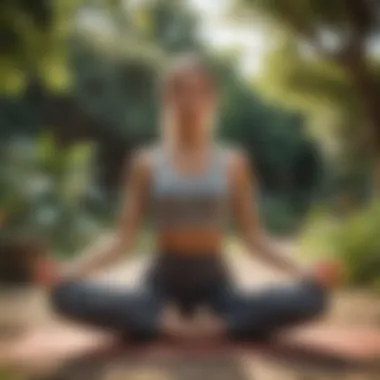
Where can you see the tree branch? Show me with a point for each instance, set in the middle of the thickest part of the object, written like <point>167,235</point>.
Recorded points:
<point>361,15</point>
<point>308,32</point>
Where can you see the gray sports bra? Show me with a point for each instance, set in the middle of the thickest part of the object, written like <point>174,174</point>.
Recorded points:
<point>180,200</point>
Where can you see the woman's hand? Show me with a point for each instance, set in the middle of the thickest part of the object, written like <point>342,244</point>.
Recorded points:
<point>45,271</point>
<point>328,273</point>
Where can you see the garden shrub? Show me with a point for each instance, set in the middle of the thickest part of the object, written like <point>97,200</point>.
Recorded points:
<point>355,240</point>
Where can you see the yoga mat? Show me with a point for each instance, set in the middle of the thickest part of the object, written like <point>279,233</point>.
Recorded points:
<point>57,344</point>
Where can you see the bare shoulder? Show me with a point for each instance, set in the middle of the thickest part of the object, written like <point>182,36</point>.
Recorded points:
<point>237,159</point>
<point>144,156</point>
<point>142,160</point>
<point>240,171</point>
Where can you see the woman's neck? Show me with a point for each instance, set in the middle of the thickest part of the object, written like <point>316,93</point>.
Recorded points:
<point>191,145</point>
<point>196,142</point>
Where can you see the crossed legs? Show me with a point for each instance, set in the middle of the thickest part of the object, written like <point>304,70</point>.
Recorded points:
<point>255,315</point>
<point>259,314</point>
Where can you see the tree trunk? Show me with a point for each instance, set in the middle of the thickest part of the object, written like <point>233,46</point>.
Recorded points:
<point>369,93</point>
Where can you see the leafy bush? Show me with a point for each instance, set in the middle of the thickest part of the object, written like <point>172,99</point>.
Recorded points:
<point>279,215</point>
<point>48,191</point>
<point>355,240</point>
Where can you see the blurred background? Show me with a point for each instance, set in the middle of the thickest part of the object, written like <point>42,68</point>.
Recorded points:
<point>300,83</point>
<point>300,91</point>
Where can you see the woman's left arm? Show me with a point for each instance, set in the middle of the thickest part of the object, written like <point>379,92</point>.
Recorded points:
<point>246,213</point>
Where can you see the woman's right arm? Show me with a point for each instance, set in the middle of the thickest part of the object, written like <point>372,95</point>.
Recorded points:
<point>110,248</point>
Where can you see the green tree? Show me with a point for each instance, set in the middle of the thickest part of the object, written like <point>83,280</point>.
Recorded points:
<point>169,23</point>
<point>33,42</point>
<point>113,95</point>
<point>324,92</point>
<point>339,34</point>
<point>48,191</point>
<point>287,161</point>
<point>116,71</point>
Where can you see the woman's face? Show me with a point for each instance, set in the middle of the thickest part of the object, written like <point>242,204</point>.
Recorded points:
<point>191,98</point>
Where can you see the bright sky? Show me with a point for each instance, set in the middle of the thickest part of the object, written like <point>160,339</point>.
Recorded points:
<point>221,34</point>
<point>217,28</point>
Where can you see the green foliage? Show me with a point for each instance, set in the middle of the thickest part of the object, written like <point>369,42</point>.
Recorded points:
<point>283,155</point>
<point>359,241</point>
<point>114,72</point>
<point>115,75</point>
<point>287,163</point>
<point>323,91</point>
<point>116,90</point>
<point>323,65</point>
<point>169,23</point>
<point>279,216</point>
<point>46,191</point>
<point>309,16</point>
<point>120,91</point>
<point>355,240</point>
<point>33,42</point>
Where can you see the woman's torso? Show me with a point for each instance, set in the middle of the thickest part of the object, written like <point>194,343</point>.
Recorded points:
<point>189,206</point>
<point>189,201</point>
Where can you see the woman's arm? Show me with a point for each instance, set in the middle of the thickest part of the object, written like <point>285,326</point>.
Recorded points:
<point>108,249</point>
<point>245,210</point>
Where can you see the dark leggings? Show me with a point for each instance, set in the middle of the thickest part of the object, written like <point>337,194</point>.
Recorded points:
<point>135,313</point>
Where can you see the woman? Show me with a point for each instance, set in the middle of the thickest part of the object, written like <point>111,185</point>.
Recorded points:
<point>189,184</point>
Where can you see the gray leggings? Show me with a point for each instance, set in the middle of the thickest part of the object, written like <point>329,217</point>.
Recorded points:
<point>134,313</point>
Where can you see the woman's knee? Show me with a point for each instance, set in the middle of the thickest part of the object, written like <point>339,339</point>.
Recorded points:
<point>62,298</point>
<point>315,300</point>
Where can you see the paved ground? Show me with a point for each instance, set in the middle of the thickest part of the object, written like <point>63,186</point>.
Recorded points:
<point>28,310</point>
